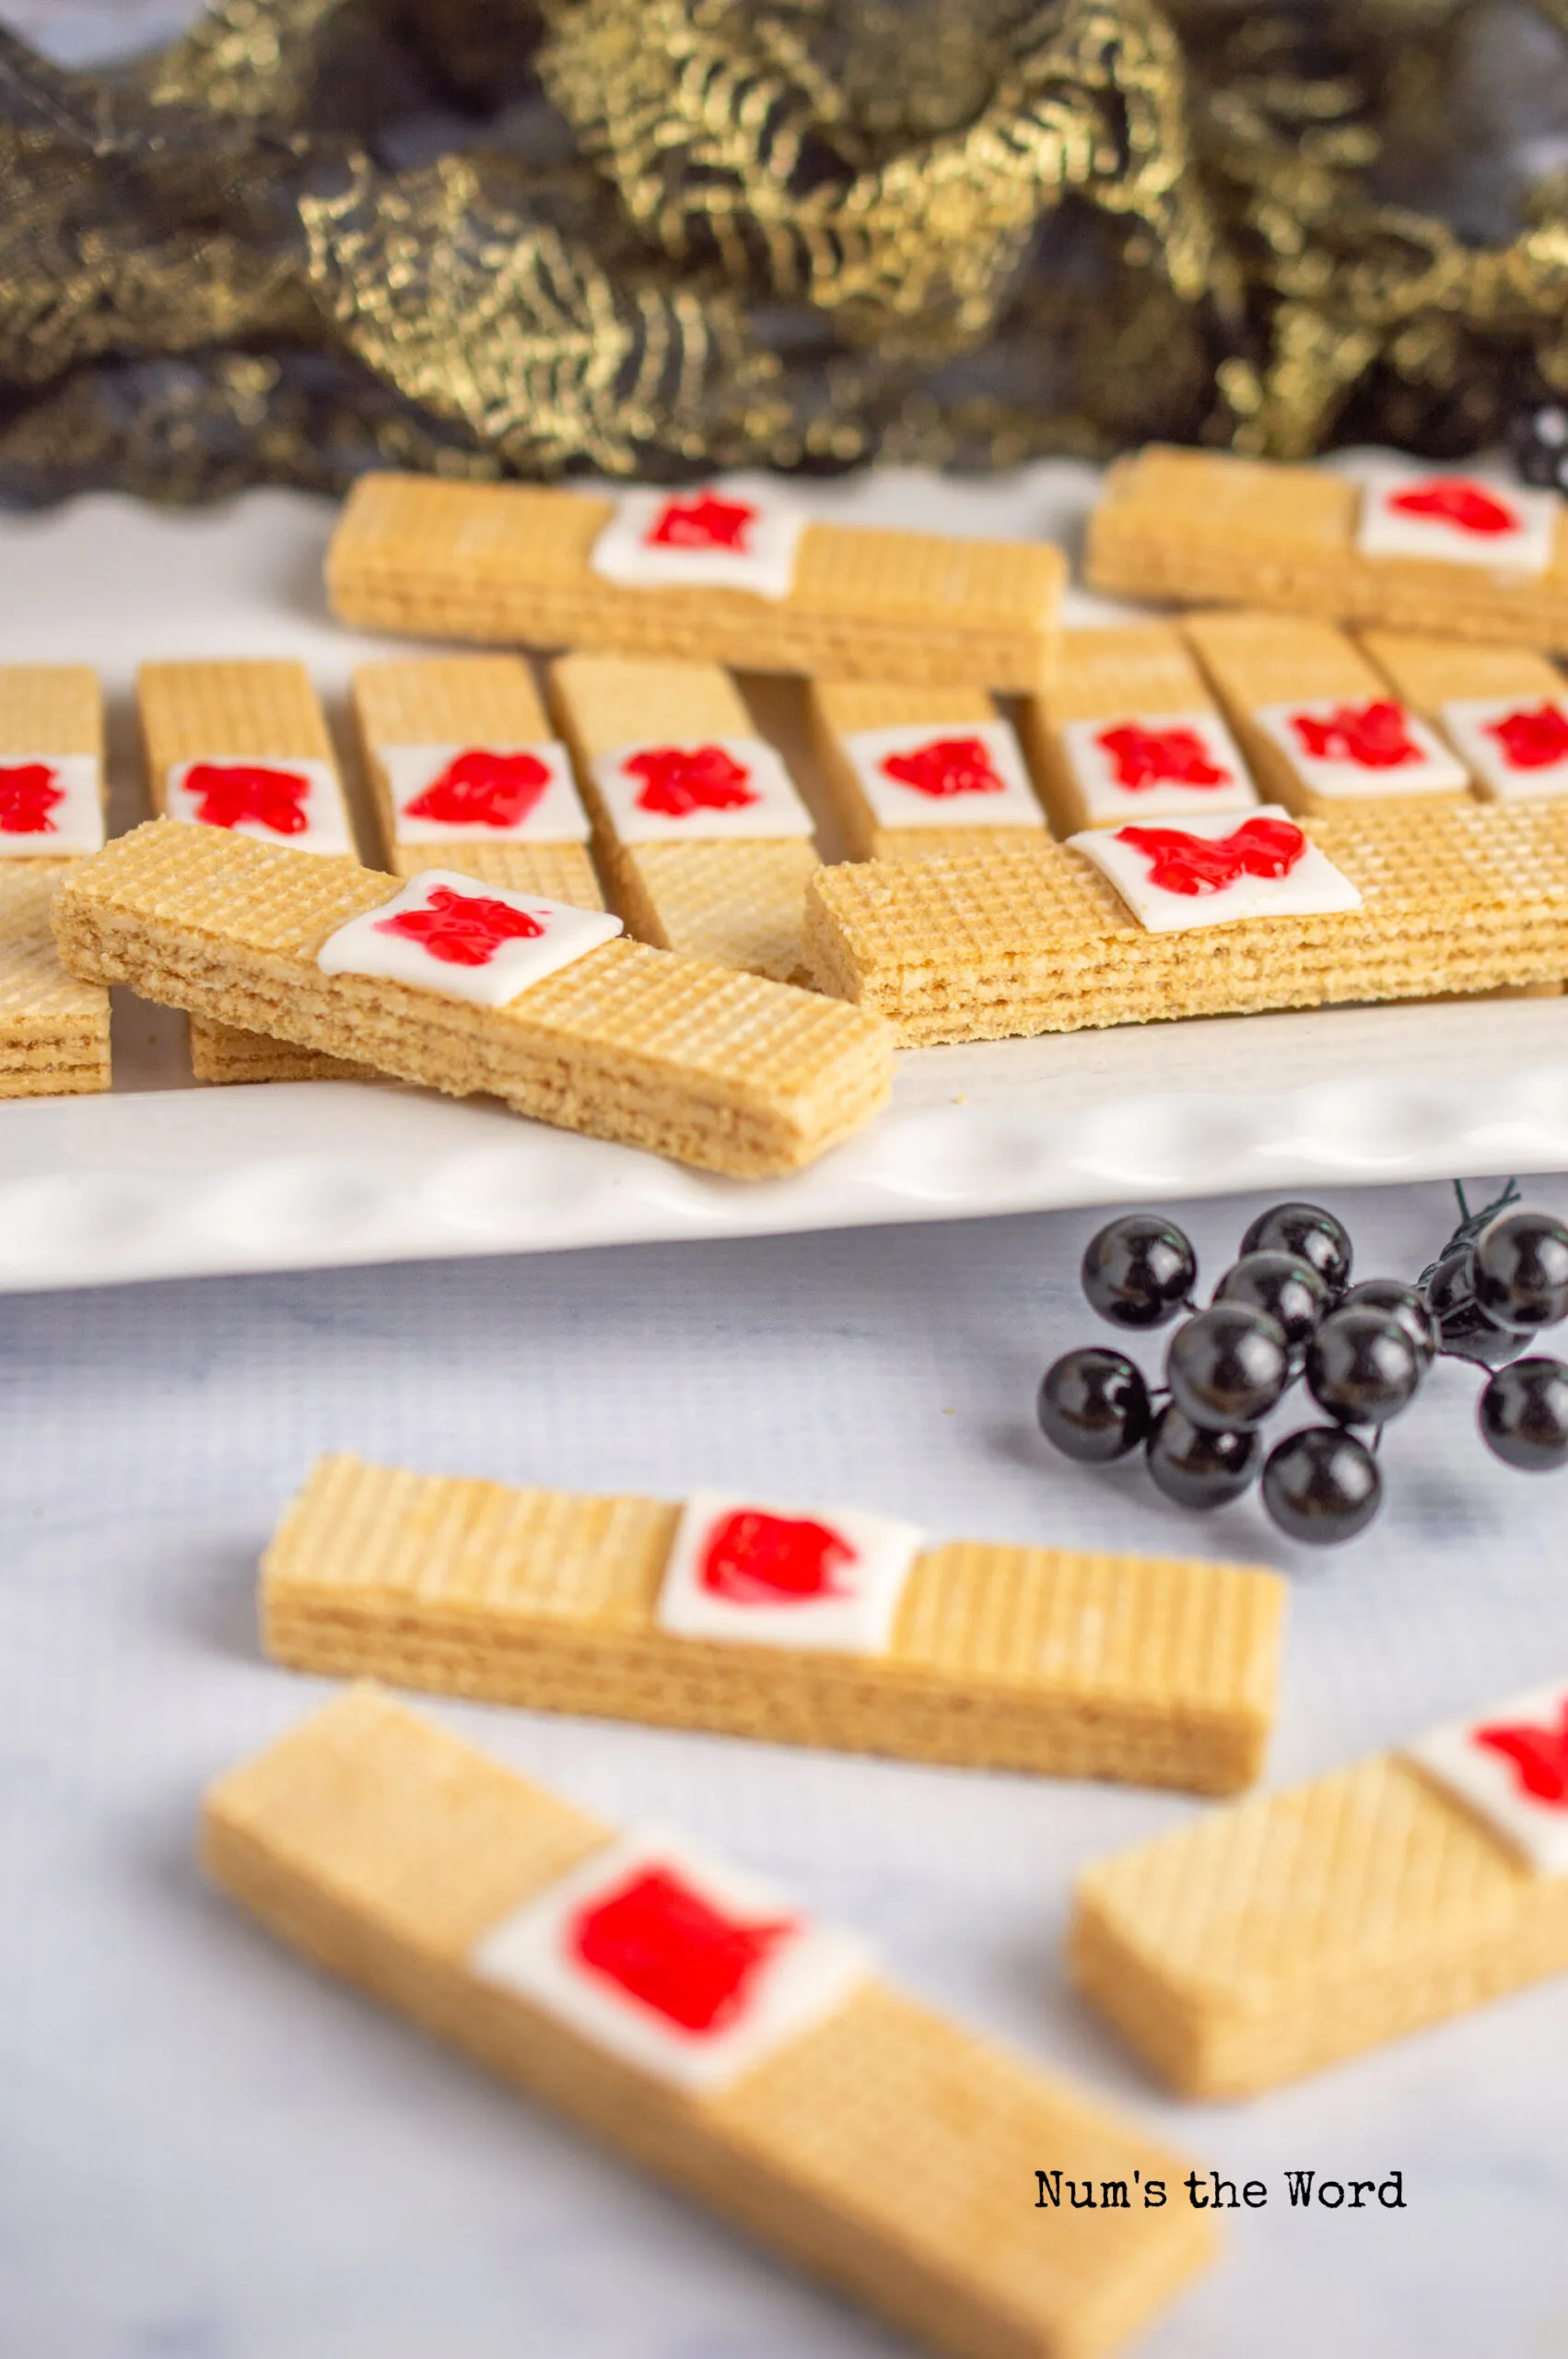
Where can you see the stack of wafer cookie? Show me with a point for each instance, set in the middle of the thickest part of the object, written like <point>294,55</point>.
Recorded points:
<point>257,712</point>
<point>708,2029</point>
<point>700,886</point>
<point>1032,1659</point>
<point>53,1029</point>
<point>920,773</point>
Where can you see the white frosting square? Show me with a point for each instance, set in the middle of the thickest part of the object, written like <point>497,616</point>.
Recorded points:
<point>1106,756</point>
<point>1518,1785</point>
<point>1336,773</point>
<point>513,794</point>
<point>275,798</point>
<point>1311,886</point>
<point>968,774</point>
<point>51,805</point>
<point>1499,527</point>
<point>467,918</point>
<point>559,1950</point>
<point>703,539</point>
<point>753,1575</point>
<point>1477,725</point>
<point>689,789</point>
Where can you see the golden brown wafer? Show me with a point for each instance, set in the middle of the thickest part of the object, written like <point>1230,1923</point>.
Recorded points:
<point>1034,1659</point>
<point>53,1029</point>
<point>1197,526</point>
<point>50,708</point>
<point>464,701</point>
<point>840,709</point>
<point>1429,672</point>
<point>1114,674</point>
<point>739,902</point>
<point>674,1055</point>
<point>1458,896</point>
<point>885,2148</point>
<point>509,563</point>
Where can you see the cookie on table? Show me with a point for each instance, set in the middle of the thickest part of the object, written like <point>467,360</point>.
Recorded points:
<point>702,2023</point>
<point>53,1030</point>
<point>1503,710</point>
<point>920,773</point>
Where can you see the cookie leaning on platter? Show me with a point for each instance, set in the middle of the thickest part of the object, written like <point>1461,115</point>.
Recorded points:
<point>53,1029</point>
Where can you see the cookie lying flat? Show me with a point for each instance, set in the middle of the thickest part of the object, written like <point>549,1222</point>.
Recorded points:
<point>697,825</point>
<point>1460,896</point>
<point>620,1041</point>
<point>831,1628</point>
<point>1502,710</point>
<point>466,775</point>
<point>53,1030</point>
<point>514,564</point>
<point>693,2018</point>
<point>1268,1940</point>
<point>920,773</point>
<point>1200,526</point>
<point>1129,731</point>
<point>252,736</point>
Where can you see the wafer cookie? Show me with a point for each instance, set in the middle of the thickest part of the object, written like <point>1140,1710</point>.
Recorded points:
<point>699,2023</point>
<point>1129,731</point>
<point>1503,710</point>
<point>920,773</point>
<point>701,886</point>
<point>54,1031</point>
<point>1199,527</point>
<point>674,1055</point>
<point>254,711</point>
<point>989,1657</point>
<point>1273,1938</point>
<point>514,564</point>
<point>1460,896</point>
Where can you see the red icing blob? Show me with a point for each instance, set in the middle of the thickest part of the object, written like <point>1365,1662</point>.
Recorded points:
<point>705,522</point>
<point>479,788</point>
<point>27,795</point>
<point>1539,1758</point>
<point>1530,741</point>
<point>1372,735</point>
<point>947,766</point>
<point>1146,757</point>
<point>1453,499</point>
<point>754,1558</point>
<point>463,928</point>
<point>1179,863</point>
<point>229,793</point>
<point>679,780</point>
<point>662,1942</point>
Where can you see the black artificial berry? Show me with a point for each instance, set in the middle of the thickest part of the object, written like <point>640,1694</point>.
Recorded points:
<point>1466,1331</point>
<point>1197,1467</point>
<point>1308,1232</point>
<point>1521,1269</point>
<point>1524,1414</point>
<point>1139,1271</point>
<point>1362,1367</point>
<point>1227,1365</point>
<point>1094,1405</point>
<point>1284,1286</point>
<point>1397,1301</point>
<point>1322,1485</point>
<point>1540,436</point>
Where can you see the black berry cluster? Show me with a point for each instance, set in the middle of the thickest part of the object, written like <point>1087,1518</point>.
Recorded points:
<point>1286,1311</point>
<point>1540,445</point>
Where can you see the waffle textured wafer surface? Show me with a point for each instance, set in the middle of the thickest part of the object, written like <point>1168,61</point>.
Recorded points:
<point>1104,675</point>
<point>263,709</point>
<point>50,708</point>
<point>1457,896</point>
<point>1273,1938</point>
<point>464,701</point>
<point>840,709</point>
<point>1430,672</point>
<point>885,2149</point>
<point>53,1030</point>
<point>1032,1659</point>
<point>509,563</point>
<point>1197,526</point>
<point>717,1069</point>
<point>739,902</point>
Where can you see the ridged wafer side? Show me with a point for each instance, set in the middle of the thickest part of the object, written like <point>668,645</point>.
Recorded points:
<point>53,1029</point>
<point>886,2149</point>
<point>1106,673</point>
<point>839,709</point>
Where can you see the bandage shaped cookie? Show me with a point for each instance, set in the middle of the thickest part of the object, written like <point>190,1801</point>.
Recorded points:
<point>694,576</point>
<point>822,1626</point>
<point>467,988</point>
<point>465,774</point>
<point>920,773</point>
<point>1128,731</point>
<point>53,1029</point>
<point>1273,1937</point>
<point>1449,897</point>
<point>243,745</point>
<point>699,831</point>
<point>1463,558</point>
<point>701,2022</point>
<point>1503,710</point>
<point>1320,725</point>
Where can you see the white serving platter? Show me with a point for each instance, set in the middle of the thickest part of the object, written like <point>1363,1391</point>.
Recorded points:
<point>162,1178</point>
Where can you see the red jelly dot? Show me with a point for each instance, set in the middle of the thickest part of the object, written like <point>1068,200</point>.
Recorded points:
<point>947,766</point>
<point>1143,757</point>
<point>27,795</point>
<point>1532,741</point>
<point>1179,863</point>
<point>706,522</point>
<point>1372,735</point>
<point>679,780</point>
<point>479,788</point>
<point>230,794</point>
<point>665,1945</point>
<point>754,1558</point>
<point>1452,499</point>
<point>1539,1758</point>
<point>461,929</point>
